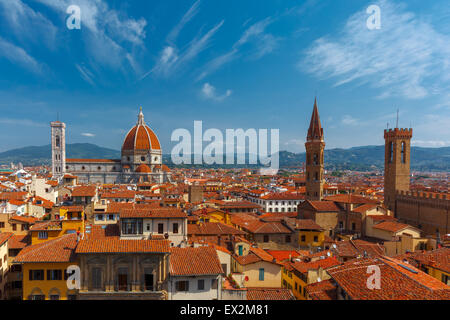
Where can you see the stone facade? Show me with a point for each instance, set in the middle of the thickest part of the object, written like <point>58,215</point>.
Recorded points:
<point>141,159</point>
<point>124,276</point>
<point>58,137</point>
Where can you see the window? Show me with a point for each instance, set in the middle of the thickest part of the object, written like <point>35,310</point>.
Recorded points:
<point>16,268</point>
<point>341,225</point>
<point>100,217</point>
<point>403,152</point>
<point>5,258</point>
<point>58,141</point>
<point>214,284</point>
<point>175,228</point>
<point>96,279</point>
<point>446,279</point>
<point>54,275</point>
<point>303,238</point>
<point>160,228</point>
<point>148,226</point>
<point>241,250</point>
<point>38,297</point>
<point>201,284</point>
<point>54,297</point>
<point>182,286</point>
<point>110,217</point>
<point>316,159</point>
<point>14,227</point>
<point>43,235</point>
<point>353,226</point>
<point>261,274</point>
<point>36,275</point>
<point>71,297</point>
<point>132,226</point>
<point>316,239</point>
<point>391,152</point>
<point>2,224</point>
<point>266,238</point>
<point>288,238</point>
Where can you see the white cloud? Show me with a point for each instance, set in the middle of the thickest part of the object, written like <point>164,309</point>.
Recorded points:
<point>27,24</point>
<point>407,57</point>
<point>349,120</point>
<point>264,42</point>
<point>171,61</point>
<point>112,37</point>
<point>22,122</point>
<point>86,74</point>
<point>430,143</point>
<point>209,92</point>
<point>87,134</point>
<point>193,10</point>
<point>295,142</point>
<point>18,55</point>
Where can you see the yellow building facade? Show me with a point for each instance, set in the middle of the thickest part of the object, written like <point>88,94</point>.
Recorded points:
<point>46,281</point>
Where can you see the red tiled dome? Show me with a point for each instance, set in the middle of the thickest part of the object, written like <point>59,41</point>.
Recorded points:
<point>141,137</point>
<point>143,168</point>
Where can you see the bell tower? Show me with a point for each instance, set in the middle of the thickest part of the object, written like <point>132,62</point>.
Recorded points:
<point>396,163</point>
<point>315,146</point>
<point>58,149</point>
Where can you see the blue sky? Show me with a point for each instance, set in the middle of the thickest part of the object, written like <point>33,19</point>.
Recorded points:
<point>232,64</point>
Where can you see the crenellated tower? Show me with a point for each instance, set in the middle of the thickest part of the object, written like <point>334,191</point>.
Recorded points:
<point>396,164</point>
<point>315,146</point>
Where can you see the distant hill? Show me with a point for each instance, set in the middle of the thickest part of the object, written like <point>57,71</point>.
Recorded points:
<point>357,158</point>
<point>370,157</point>
<point>42,154</point>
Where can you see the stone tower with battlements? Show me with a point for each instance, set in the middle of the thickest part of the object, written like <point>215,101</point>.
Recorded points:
<point>396,164</point>
<point>58,149</point>
<point>315,146</point>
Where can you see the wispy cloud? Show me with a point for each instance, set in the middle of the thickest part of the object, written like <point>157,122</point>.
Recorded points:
<point>22,122</point>
<point>28,25</point>
<point>430,143</point>
<point>209,92</point>
<point>406,57</point>
<point>111,36</point>
<point>87,134</point>
<point>19,56</point>
<point>193,10</point>
<point>349,120</point>
<point>171,61</point>
<point>264,42</point>
<point>86,74</point>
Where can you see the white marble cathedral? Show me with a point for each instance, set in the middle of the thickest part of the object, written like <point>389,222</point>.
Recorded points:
<point>141,159</point>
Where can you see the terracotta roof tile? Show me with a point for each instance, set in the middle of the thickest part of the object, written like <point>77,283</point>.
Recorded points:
<point>58,250</point>
<point>194,261</point>
<point>269,294</point>
<point>122,246</point>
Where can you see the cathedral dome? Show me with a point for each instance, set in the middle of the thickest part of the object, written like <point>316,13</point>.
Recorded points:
<point>141,137</point>
<point>143,168</point>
